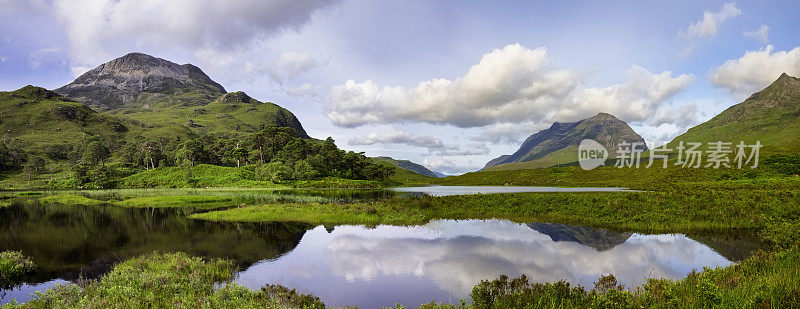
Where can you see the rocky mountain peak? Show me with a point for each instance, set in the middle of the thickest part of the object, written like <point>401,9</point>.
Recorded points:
<point>124,81</point>
<point>603,128</point>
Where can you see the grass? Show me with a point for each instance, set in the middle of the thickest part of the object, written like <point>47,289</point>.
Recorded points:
<point>653,178</point>
<point>13,266</point>
<point>711,207</point>
<point>203,175</point>
<point>317,213</point>
<point>169,280</point>
<point>70,199</point>
<point>203,202</point>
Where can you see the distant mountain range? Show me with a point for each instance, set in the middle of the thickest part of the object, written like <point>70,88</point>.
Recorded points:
<point>559,143</point>
<point>770,116</point>
<point>411,166</point>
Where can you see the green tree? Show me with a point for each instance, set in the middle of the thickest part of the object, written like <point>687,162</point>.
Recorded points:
<point>190,152</point>
<point>238,154</point>
<point>34,166</point>
<point>274,171</point>
<point>304,171</point>
<point>95,152</point>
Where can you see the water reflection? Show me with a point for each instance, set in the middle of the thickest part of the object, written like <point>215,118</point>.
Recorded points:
<point>444,259</point>
<point>463,190</point>
<point>71,241</point>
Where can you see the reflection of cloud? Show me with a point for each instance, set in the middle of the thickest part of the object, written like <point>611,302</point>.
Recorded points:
<point>443,260</point>
<point>468,252</point>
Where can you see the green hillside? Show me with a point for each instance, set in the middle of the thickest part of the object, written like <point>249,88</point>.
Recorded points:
<point>771,116</point>
<point>35,117</point>
<point>230,113</point>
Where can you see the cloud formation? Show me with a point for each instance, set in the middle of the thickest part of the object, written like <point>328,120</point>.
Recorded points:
<point>709,25</point>
<point>761,34</point>
<point>509,85</point>
<point>96,27</point>
<point>434,145</point>
<point>755,70</point>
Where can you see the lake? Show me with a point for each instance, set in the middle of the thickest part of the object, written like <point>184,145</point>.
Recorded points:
<point>463,190</point>
<point>347,265</point>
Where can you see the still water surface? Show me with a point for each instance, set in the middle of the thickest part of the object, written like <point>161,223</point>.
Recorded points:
<point>349,265</point>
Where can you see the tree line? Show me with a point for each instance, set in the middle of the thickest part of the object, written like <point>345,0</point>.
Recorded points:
<point>274,153</point>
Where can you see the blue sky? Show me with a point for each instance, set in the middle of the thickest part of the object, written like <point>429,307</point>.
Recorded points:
<point>450,84</point>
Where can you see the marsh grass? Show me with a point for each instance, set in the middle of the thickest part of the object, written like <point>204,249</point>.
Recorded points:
<point>684,209</point>
<point>13,267</point>
<point>70,199</point>
<point>194,201</point>
<point>166,281</point>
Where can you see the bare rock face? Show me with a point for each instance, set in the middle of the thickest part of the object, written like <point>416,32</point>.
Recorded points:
<point>130,80</point>
<point>603,128</point>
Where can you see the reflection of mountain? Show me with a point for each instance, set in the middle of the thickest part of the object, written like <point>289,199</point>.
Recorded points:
<point>598,239</point>
<point>444,259</point>
<point>732,247</point>
<point>68,241</point>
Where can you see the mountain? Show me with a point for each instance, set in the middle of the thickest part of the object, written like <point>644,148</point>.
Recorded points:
<point>559,143</point>
<point>770,116</point>
<point>408,165</point>
<point>140,80</point>
<point>440,175</point>
<point>168,98</point>
<point>37,117</point>
<point>598,239</point>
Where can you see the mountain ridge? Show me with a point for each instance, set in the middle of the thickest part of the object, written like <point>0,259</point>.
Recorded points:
<point>558,143</point>
<point>408,165</point>
<point>137,79</point>
<point>770,116</point>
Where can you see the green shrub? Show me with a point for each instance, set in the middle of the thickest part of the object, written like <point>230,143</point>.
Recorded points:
<point>13,266</point>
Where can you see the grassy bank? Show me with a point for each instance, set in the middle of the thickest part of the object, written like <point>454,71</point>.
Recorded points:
<point>653,178</point>
<point>767,280</point>
<point>169,280</point>
<point>732,205</point>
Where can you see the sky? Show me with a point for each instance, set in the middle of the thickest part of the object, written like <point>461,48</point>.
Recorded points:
<point>447,84</point>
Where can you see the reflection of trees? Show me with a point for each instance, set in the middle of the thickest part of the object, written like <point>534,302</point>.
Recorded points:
<point>68,241</point>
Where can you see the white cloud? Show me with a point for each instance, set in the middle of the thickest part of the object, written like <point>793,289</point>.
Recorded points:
<point>682,116</point>
<point>448,166</point>
<point>434,145</point>
<point>509,133</point>
<point>44,55</point>
<point>711,22</point>
<point>305,90</point>
<point>96,29</point>
<point>438,163</point>
<point>755,70</point>
<point>398,137</point>
<point>3,59</point>
<point>509,85</point>
<point>636,100</point>
<point>286,66</point>
<point>761,34</point>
